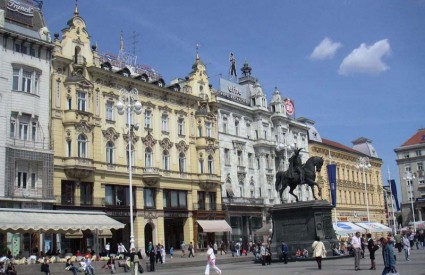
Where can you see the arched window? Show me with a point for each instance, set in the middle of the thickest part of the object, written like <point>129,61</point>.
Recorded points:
<point>130,153</point>
<point>210,164</point>
<point>109,152</point>
<point>182,163</point>
<point>201,165</point>
<point>148,157</point>
<point>82,146</point>
<point>166,160</point>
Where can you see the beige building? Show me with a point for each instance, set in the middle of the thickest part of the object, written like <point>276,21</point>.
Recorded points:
<point>174,151</point>
<point>350,185</point>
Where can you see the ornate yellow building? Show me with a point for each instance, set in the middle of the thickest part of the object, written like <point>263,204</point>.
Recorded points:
<point>176,170</point>
<point>350,184</point>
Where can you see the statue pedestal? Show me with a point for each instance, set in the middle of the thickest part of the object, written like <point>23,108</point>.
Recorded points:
<point>298,224</point>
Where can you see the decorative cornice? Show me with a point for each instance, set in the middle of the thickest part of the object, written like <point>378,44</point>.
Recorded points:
<point>180,112</point>
<point>165,109</point>
<point>238,145</point>
<point>148,104</point>
<point>182,146</point>
<point>149,141</point>
<point>134,138</point>
<point>166,144</point>
<point>110,134</point>
<point>83,127</point>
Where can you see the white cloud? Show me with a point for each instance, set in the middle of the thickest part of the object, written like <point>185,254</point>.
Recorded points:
<point>325,50</point>
<point>366,59</point>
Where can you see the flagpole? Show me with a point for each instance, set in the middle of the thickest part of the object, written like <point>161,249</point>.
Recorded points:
<point>392,200</point>
<point>330,162</point>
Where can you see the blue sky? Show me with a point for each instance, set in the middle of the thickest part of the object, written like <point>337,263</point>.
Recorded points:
<point>356,67</point>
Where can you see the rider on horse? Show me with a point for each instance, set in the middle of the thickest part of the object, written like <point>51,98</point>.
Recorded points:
<point>295,166</point>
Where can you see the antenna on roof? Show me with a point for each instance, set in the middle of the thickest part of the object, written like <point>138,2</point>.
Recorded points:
<point>134,41</point>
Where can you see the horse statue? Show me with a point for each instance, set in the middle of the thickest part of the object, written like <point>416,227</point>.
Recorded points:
<point>309,169</point>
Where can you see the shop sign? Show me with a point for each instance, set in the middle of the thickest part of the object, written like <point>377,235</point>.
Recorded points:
<point>21,11</point>
<point>233,92</point>
<point>176,215</point>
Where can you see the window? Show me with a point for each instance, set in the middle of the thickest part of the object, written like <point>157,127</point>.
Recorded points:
<point>86,193</point>
<point>248,130</point>
<point>109,110</point>
<point>164,121</point>
<point>175,199</point>
<point>148,119</point>
<point>82,146</point>
<point>81,101</point>
<point>166,160</point>
<point>34,131</point>
<point>110,152</point>
<point>418,153</point>
<point>12,126</point>
<point>23,130</point>
<point>240,158</point>
<point>407,168</point>
<point>69,102</point>
<point>25,125</point>
<point>250,161</point>
<point>258,163</point>
<point>130,153</point>
<point>406,156</point>
<point>201,200</point>
<point>210,165</point>
<point>149,197</point>
<point>199,131</point>
<point>237,128</point>
<point>22,180</point>
<point>182,163</point>
<point>213,204</point>
<point>265,134</point>
<point>26,80</point>
<point>118,195</point>
<point>208,129</point>
<point>226,156</point>
<point>67,192</point>
<point>68,148</point>
<point>267,161</point>
<point>148,157</point>
<point>420,166</point>
<point>33,180</point>
<point>201,166</point>
<point>180,126</point>
<point>225,125</point>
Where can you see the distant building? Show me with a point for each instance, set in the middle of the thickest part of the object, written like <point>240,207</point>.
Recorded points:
<point>250,131</point>
<point>411,159</point>
<point>350,183</point>
<point>26,155</point>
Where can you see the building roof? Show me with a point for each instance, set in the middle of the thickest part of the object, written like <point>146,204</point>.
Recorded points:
<point>417,138</point>
<point>339,146</point>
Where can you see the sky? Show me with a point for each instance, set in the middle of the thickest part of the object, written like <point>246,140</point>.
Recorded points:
<point>355,67</point>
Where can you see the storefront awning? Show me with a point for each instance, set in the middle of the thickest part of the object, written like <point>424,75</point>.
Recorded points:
<point>374,226</point>
<point>214,225</point>
<point>79,234</point>
<point>347,227</point>
<point>23,220</point>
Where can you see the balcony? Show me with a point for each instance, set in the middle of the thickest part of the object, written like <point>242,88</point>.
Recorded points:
<point>74,116</point>
<point>241,169</point>
<point>244,201</point>
<point>78,168</point>
<point>151,175</point>
<point>207,206</point>
<point>64,200</point>
<point>22,143</point>
<point>203,142</point>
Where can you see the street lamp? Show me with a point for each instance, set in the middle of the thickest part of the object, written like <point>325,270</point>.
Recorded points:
<point>128,103</point>
<point>409,177</point>
<point>364,164</point>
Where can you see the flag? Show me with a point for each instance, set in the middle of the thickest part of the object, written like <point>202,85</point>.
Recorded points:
<point>332,181</point>
<point>393,189</point>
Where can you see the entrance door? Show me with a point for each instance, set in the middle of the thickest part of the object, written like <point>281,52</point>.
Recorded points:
<point>174,233</point>
<point>148,235</point>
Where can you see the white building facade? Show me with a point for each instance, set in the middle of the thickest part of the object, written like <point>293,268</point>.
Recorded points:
<point>26,157</point>
<point>250,130</point>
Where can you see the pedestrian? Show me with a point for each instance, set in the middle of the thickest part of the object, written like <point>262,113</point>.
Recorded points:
<point>263,254</point>
<point>372,247</point>
<point>158,254</point>
<point>222,248</point>
<point>268,255</point>
<point>183,247</point>
<point>70,266</point>
<point>171,252</point>
<point>238,247</point>
<point>357,247</point>
<point>284,251</point>
<point>388,255</point>
<point>163,253</point>
<point>406,246</point>
<point>232,248</point>
<point>134,262</point>
<point>107,249</point>
<point>45,266</point>
<point>215,248</point>
<point>398,244</point>
<point>319,251</point>
<point>152,257</point>
<point>190,248</point>
<point>211,261</point>
<point>411,239</point>
<point>362,244</point>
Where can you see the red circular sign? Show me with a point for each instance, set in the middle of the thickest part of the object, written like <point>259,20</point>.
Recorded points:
<point>289,106</point>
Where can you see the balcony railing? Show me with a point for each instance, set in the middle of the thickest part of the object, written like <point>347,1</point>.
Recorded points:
<point>207,206</point>
<point>22,143</point>
<point>244,201</point>
<point>93,202</point>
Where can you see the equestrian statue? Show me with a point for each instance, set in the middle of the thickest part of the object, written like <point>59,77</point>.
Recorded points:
<point>298,173</point>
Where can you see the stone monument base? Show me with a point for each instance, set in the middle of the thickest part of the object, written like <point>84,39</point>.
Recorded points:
<point>298,224</point>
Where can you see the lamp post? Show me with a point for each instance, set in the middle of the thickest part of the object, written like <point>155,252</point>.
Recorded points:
<point>128,103</point>
<point>364,164</point>
<point>409,177</point>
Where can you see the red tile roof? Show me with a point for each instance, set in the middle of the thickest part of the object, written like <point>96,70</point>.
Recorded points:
<point>417,138</point>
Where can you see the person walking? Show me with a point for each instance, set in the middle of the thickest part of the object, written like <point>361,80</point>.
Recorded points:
<point>211,261</point>
<point>284,250</point>
<point>362,244</point>
<point>372,248</point>
<point>406,246</point>
<point>263,254</point>
<point>232,248</point>
<point>319,251</point>
<point>183,248</point>
<point>45,266</point>
<point>388,255</point>
<point>134,262</point>
<point>70,267</point>
<point>107,249</point>
<point>190,248</point>
<point>357,247</point>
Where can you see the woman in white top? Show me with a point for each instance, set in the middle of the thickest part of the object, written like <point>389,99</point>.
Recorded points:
<point>319,251</point>
<point>211,261</point>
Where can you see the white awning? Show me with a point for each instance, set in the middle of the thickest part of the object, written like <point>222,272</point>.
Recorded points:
<point>23,220</point>
<point>347,227</point>
<point>214,225</point>
<point>374,226</point>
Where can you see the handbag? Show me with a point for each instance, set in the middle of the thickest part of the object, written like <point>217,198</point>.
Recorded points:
<point>140,267</point>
